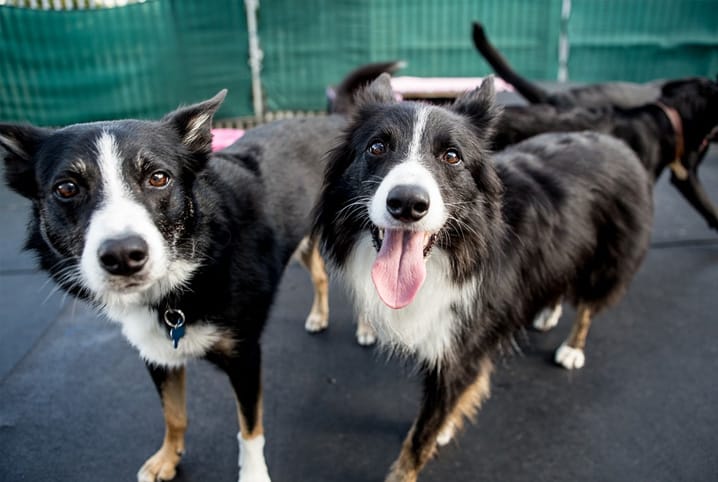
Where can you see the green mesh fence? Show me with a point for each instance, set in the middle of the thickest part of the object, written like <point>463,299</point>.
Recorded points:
<point>141,60</point>
<point>638,40</point>
<point>307,48</point>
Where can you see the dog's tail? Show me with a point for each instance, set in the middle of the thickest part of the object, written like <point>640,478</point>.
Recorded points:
<point>341,97</point>
<point>531,92</point>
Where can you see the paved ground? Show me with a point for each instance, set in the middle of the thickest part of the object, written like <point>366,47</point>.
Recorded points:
<point>76,403</point>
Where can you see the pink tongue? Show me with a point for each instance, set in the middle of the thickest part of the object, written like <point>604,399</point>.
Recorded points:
<point>399,269</point>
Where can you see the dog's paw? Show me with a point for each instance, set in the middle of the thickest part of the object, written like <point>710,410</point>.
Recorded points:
<point>569,357</point>
<point>365,334</point>
<point>548,318</point>
<point>252,467</point>
<point>246,475</point>
<point>446,434</point>
<point>316,322</point>
<point>161,466</point>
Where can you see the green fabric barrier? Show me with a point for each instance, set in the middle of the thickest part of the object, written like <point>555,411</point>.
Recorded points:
<point>638,41</point>
<point>309,47</point>
<point>142,60</point>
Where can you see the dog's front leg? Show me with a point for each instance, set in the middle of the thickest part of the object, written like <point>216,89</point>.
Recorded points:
<point>170,383</point>
<point>243,369</point>
<point>448,398</point>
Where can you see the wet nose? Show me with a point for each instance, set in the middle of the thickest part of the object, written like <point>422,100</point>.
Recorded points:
<point>408,203</point>
<point>123,256</point>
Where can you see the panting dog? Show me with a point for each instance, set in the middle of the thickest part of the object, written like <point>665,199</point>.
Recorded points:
<point>182,247</point>
<point>450,250</point>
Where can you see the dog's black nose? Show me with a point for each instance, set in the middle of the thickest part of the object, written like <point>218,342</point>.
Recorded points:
<point>123,256</point>
<point>408,203</point>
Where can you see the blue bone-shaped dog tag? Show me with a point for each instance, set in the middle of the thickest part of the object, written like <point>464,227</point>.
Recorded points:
<point>175,320</point>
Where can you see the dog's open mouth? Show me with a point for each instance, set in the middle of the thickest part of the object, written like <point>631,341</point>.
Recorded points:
<point>400,266</point>
<point>377,235</point>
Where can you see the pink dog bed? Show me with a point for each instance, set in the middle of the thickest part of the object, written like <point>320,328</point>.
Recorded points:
<point>441,87</point>
<point>221,138</point>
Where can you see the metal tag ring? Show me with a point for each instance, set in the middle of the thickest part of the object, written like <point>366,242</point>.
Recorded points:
<point>172,312</point>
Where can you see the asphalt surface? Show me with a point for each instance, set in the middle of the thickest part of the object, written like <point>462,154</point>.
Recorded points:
<point>76,403</point>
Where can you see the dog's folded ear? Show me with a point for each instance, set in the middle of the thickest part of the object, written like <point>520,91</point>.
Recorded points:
<point>194,123</point>
<point>18,145</point>
<point>479,105</point>
<point>378,91</point>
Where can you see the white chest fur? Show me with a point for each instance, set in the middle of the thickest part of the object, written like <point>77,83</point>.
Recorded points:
<point>142,330</point>
<point>428,326</point>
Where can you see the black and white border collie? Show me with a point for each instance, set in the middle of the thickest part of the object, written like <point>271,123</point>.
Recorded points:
<point>183,248</point>
<point>450,251</point>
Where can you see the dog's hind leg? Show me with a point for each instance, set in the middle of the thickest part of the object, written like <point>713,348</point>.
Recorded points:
<point>447,401</point>
<point>548,317</point>
<point>570,354</point>
<point>243,369</point>
<point>309,256</point>
<point>170,383</point>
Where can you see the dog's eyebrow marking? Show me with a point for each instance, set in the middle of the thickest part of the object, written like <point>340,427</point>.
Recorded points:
<point>78,166</point>
<point>422,113</point>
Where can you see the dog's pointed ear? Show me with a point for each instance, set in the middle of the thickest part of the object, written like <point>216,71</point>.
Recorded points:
<point>479,105</point>
<point>194,123</point>
<point>18,145</point>
<point>379,91</point>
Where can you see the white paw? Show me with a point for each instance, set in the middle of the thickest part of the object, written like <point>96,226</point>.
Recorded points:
<point>252,467</point>
<point>446,434</point>
<point>548,318</point>
<point>569,357</point>
<point>316,323</point>
<point>365,334</point>
<point>254,476</point>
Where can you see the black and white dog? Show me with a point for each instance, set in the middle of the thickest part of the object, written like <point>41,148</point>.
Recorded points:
<point>183,248</point>
<point>450,250</point>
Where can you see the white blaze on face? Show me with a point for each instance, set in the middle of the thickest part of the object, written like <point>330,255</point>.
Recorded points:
<point>118,215</point>
<point>399,269</point>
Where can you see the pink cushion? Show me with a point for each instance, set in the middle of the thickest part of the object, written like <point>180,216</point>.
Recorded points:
<point>447,87</point>
<point>221,138</point>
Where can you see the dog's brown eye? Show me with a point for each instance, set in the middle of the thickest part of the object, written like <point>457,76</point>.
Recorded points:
<point>377,148</point>
<point>159,179</point>
<point>451,156</point>
<point>66,190</point>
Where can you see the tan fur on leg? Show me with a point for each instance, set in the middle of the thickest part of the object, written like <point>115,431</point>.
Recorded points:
<point>309,256</point>
<point>579,331</point>
<point>471,400</point>
<point>258,428</point>
<point>405,469</point>
<point>163,464</point>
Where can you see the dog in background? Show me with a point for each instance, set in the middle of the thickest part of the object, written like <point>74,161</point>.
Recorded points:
<point>619,94</point>
<point>451,251</point>
<point>182,247</point>
<point>668,122</point>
